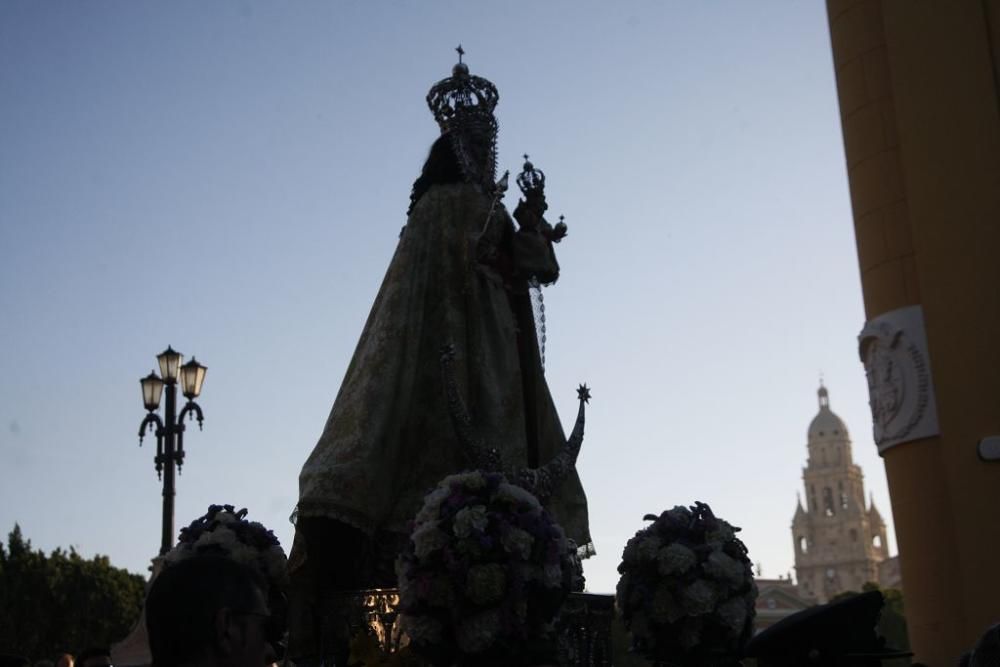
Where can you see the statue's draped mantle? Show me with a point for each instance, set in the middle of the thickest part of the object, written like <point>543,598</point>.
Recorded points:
<point>388,439</point>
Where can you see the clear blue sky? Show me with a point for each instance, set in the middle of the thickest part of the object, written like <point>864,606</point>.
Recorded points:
<point>230,178</point>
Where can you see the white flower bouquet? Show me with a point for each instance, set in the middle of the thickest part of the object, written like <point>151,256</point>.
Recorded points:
<point>687,592</point>
<point>484,572</point>
<point>224,531</point>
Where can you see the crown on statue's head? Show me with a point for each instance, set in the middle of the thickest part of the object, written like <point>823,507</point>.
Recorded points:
<point>463,101</point>
<point>531,180</point>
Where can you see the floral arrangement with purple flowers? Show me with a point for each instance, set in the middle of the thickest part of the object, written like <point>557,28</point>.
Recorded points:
<point>484,572</point>
<point>687,592</point>
<point>224,530</point>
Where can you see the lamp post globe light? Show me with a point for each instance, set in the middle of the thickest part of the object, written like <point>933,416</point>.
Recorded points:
<point>170,429</point>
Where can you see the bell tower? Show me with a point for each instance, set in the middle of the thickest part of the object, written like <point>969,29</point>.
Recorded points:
<point>839,539</point>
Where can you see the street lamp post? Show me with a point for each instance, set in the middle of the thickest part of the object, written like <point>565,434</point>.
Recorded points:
<point>170,430</point>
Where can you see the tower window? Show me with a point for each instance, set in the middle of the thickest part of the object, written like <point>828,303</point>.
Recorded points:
<point>854,535</point>
<point>877,541</point>
<point>828,501</point>
<point>803,545</point>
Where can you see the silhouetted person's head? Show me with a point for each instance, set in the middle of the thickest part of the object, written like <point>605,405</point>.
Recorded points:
<point>841,633</point>
<point>986,652</point>
<point>95,656</point>
<point>64,660</point>
<point>208,610</point>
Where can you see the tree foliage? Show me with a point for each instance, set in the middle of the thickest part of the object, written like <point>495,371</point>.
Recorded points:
<point>62,602</point>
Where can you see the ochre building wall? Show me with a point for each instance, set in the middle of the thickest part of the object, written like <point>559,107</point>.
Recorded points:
<point>917,85</point>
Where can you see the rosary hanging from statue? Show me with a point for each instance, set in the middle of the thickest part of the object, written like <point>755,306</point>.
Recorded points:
<point>533,257</point>
<point>533,254</point>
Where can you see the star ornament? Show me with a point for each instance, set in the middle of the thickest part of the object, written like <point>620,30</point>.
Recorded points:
<point>583,393</point>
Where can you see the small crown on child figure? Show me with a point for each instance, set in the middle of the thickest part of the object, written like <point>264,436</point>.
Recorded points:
<point>531,180</point>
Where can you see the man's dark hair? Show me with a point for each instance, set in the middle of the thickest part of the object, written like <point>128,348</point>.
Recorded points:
<point>93,652</point>
<point>184,600</point>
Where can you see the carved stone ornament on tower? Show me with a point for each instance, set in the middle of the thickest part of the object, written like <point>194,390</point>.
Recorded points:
<point>893,348</point>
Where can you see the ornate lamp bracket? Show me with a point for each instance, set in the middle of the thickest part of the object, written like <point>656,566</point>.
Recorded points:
<point>191,410</point>
<point>151,420</point>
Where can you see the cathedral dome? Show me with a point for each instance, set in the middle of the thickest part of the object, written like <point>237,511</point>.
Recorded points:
<point>826,424</point>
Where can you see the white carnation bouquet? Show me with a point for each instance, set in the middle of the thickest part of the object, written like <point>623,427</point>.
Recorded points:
<point>687,593</point>
<point>224,531</point>
<point>484,572</point>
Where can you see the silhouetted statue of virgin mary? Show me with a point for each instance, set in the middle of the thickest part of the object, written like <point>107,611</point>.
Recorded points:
<point>454,279</point>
